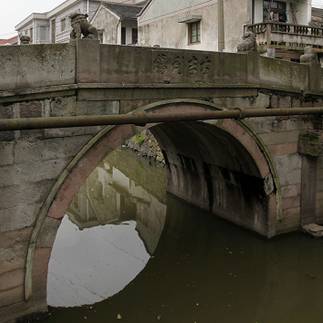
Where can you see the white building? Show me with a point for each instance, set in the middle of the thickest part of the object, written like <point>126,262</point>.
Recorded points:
<point>179,24</point>
<point>219,24</point>
<point>54,26</point>
<point>117,23</point>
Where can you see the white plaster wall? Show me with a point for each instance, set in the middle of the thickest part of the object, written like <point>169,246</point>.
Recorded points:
<point>160,8</point>
<point>165,30</point>
<point>237,13</point>
<point>303,11</point>
<point>159,26</point>
<point>109,23</point>
<point>259,11</point>
<point>93,8</point>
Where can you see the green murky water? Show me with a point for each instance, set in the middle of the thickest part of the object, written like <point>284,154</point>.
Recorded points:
<point>129,252</point>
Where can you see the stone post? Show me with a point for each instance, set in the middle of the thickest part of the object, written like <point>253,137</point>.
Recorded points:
<point>309,148</point>
<point>88,61</point>
<point>221,38</point>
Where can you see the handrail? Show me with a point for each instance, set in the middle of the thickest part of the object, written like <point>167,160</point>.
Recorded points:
<point>281,27</point>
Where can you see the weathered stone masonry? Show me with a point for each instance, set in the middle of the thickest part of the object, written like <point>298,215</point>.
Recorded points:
<point>266,166</point>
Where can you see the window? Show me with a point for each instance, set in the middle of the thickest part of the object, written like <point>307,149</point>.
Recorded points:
<point>194,32</point>
<point>31,34</point>
<point>134,35</point>
<point>123,35</point>
<point>100,34</point>
<point>43,33</point>
<point>275,11</point>
<point>53,31</point>
<point>63,24</point>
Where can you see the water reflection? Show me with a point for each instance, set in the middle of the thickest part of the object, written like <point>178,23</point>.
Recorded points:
<point>94,258</point>
<point>90,266</point>
<point>206,270</point>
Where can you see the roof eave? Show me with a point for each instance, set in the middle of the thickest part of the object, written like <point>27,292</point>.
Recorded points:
<point>144,8</point>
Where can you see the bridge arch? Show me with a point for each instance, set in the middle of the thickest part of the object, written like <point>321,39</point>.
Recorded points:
<point>200,155</point>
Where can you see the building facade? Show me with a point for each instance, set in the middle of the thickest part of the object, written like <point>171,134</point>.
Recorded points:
<point>54,26</point>
<point>169,24</point>
<point>220,24</point>
<point>117,23</point>
<point>317,17</point>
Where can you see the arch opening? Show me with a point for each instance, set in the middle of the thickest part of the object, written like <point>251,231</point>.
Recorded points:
<point>209,168</point>
<point>204,167</point>
<point>120,213</point>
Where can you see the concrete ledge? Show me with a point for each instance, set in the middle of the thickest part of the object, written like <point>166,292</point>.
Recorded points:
<point>36,65</point>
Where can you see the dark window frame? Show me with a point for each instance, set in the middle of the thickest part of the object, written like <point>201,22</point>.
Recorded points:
<point>63,24</point>
<point>134,36</point>
<point>278,9</point>
<point>100,35</point>
<point>123,35</point>
<point>194,32</point>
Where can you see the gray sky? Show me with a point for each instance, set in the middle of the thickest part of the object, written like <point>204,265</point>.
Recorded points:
<point>16,10</point>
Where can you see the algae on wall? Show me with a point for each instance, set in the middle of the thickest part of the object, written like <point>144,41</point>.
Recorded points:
<point>146,145</point>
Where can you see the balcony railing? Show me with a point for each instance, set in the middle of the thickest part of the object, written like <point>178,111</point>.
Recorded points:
<point>289,36</point>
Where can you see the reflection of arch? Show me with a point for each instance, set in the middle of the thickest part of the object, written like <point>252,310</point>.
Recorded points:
<point>112,137</point>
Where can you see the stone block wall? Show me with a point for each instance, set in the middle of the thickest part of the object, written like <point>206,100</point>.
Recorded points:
<point>30,163</point>
<point>319,185</point>
<point>36,66</point>
<point>300,175</point>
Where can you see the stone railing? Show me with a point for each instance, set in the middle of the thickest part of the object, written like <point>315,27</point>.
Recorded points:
<point>34,69</point>
<point>279,27</point>
<point>289,36</point>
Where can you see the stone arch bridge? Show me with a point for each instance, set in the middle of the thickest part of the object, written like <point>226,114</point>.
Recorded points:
<point>265,174</point>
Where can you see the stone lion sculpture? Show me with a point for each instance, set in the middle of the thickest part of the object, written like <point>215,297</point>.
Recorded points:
<point>309,56</point>
<point>24,39</point>
<point>248,43</point>
<point>82,28</point>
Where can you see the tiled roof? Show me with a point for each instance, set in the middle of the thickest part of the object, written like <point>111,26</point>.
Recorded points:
<point>124,11</point>
<point>10,41</point>
<point>145,6</point>
<point>317,12</point>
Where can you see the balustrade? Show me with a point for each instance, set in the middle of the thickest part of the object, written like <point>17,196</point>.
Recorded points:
<point>279,27</point>
<point>286,35</point>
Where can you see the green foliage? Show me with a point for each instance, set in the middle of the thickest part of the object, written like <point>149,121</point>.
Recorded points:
<point>139,139</point>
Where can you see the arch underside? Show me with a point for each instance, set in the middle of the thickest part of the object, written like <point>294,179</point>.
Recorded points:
<point>217,165</point>
<point>210,169</point>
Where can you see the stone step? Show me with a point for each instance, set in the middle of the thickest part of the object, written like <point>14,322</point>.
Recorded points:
<point>314,230</point>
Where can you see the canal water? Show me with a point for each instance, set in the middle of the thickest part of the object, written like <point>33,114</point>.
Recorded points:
<point>129,252</point>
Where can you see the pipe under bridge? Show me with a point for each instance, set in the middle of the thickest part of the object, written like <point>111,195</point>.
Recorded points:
<point>143,118</point>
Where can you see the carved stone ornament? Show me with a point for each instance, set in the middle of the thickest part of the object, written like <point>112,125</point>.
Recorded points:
<point>82,28</point>
<point>24,39</point>
<point>269,185</point>
<point>309,56</point>
<point>248,43</point>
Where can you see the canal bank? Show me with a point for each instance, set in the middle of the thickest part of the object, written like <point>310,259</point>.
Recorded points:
<point>145,145</point>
